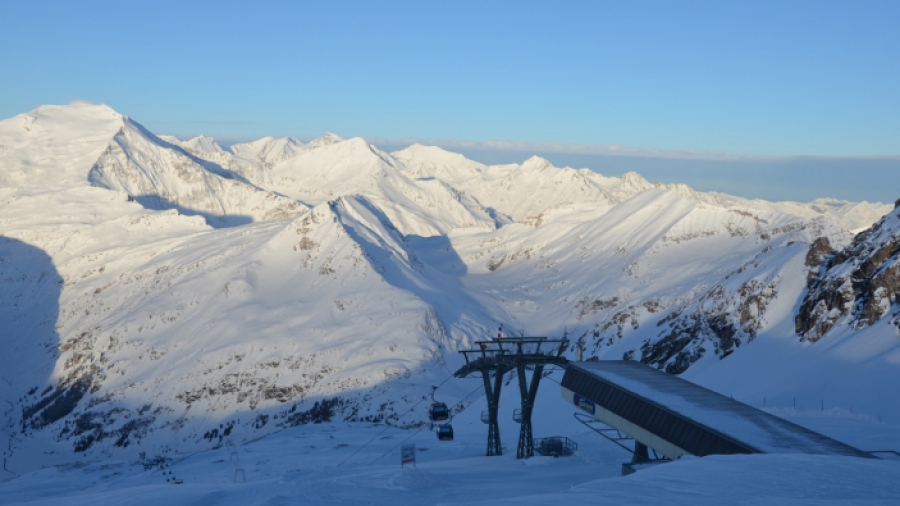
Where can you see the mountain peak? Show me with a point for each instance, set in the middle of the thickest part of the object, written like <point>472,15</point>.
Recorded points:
<point>419,153</point>
<point>55,145</point>
<point>634,179</point>
<point>433,162</point>
<point>536,163</point>
<point>78,107</point>
<point>326,140</point>
<point>203,144</point>
<point>269,150</point>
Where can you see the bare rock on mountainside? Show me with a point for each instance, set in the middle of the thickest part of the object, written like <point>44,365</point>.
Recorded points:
<point>728,315</point>
<point>132,327</point>
<point>862,282</point>
<point>818,252</point>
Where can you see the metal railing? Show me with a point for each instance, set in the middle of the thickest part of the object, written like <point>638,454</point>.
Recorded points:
<point>556,446</point>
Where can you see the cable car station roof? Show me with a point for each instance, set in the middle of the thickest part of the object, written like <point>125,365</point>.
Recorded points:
<point>677,417</point>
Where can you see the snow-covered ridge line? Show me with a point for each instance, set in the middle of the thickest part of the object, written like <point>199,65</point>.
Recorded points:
<point>339,279</point>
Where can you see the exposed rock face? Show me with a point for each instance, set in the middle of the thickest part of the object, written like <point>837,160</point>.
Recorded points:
<point>819,250</point>
<point>722,320</point>
<point>861,282</point>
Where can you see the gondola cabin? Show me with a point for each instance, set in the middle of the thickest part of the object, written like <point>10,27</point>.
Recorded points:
<point>445,432</point>
<point>438,412</point>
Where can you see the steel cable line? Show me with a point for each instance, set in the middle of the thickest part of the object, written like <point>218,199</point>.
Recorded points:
<point>388,426</point>
<point>421,429</point>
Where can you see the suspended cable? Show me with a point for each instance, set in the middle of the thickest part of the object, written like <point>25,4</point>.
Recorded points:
<point>388,426</point>
<point>420,430</point>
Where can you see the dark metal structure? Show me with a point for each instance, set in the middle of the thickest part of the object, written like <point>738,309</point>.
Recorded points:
<point>494,358</point>
<point>640,453</point>
<point>555,446</point>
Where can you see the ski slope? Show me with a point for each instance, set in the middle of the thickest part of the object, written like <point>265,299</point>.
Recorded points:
<point>341,463</point>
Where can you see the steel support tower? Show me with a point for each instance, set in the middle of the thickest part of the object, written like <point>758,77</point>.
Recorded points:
<point>493,400</point>
<point>526,436</point>
<point>500,355</point>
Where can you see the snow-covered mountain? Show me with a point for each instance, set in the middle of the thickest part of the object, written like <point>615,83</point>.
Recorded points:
<point>857,286</point>
<point>170,294</point>
<point>52,146</point>
<point>503,187</point>
<point>329,167</point>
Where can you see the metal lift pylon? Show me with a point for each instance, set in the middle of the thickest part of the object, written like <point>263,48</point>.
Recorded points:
<point>501,355</point>
<point>525,448</point>
<point>493,400</point>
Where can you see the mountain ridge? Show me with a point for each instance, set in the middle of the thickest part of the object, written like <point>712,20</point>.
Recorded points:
<point>357,274</point>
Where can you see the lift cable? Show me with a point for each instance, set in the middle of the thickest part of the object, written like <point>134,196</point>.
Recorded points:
<point>389,426</point>
<point>421,429</point>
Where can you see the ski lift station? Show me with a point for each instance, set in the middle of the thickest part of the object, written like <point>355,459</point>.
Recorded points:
<point>672,417</point>
<point>657,417</point>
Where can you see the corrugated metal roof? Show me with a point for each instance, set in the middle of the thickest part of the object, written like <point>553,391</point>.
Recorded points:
<point>689,416</point>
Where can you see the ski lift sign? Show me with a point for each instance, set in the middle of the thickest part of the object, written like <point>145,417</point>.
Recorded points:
<point>584,404</point>
<point>407,454</point>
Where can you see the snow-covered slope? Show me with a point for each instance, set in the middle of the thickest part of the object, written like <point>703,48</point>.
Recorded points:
<point>160,176</point>
<point>55,145</point>
<point>152,325</point>
<point>270,150</point>
<point>514,191</point>
<point>661,278</point>
<point>839,344</point>
<point>345,279</point>
<point>330,167</point>
<point>354,463</point>
<point>502,187</point>
<point>858,286</point>
<point>854,216</point>
<point>86,144</point>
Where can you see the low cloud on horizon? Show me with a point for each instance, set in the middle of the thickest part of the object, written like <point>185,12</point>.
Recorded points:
<point>563,148</point>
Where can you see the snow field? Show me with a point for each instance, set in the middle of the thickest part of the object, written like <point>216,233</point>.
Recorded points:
<point>310,465</point>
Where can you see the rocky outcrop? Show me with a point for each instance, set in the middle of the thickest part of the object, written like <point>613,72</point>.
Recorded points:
<point>860,283</point>
<point>819,250</point>
<point>722,319</point>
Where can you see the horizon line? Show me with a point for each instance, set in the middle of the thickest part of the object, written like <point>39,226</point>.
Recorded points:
<point>586,149</point>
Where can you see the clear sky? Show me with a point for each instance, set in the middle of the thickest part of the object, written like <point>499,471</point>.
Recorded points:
<point>761,78</point>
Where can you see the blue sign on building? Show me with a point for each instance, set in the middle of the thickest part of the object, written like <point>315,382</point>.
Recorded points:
<point>584,404</point>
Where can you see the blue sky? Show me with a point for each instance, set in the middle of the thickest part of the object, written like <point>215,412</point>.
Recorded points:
<point>780,78</point>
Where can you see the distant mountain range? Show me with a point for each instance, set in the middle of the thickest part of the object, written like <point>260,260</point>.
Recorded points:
<point>167,294</point>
